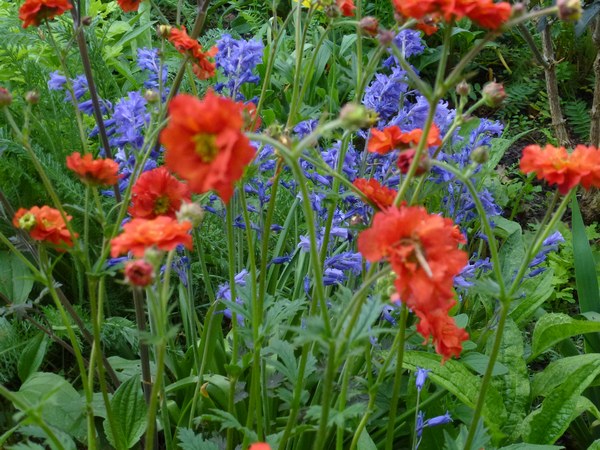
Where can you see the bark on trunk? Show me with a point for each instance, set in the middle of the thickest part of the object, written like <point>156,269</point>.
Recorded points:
<point>595,116</point>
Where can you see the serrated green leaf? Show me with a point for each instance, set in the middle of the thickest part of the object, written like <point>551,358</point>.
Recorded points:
<point>129,411</point>
<point>16,279</point>
<point>458,380</point>
<point>546,424</point>
<point>555,327</point>
<point>32,357</point>
<point>557,372</point>
<point>188,440</point>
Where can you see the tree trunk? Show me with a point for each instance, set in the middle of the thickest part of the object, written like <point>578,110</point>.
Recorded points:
<point>595,117</point>
<point>558,122</point>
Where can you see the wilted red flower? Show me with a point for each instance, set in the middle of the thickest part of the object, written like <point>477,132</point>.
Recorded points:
<point>405,159</point>
<point>139,272</point>
<point>44,224</point>
<point>33,12</point>
<point>202,67</point>
<point>129,5</point>
<point>382,196</point>
<point>557,166</point>
<point>157,193</point>
<point>346,7</point>
<point>447,337</point>
<point>392,138</point>
<point>162,232</point>
<point>205,144</point>
<point>423,251</point>
<point>102,172</point>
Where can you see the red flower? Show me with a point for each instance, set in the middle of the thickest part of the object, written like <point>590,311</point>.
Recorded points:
<point>33,12</point>
<point>423,251</point>
<point>205,144</point>
<point>139,273</point>
<point>157,193</point>
<point>447,337</point>
<point>405,159</point>
<point>44,224</point>
<point>383,197</point>
<point>187,46</point>
<point>102,172</point>
<point>260,446</point>
<point>162,232</point>
<point>392,138</point>
<point>129,5</point>
<point>556,166</point>
<point>347,7</point>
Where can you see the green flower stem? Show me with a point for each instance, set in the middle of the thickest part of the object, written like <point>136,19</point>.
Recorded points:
<point>140,318</point>
<point>313,137</point>
<point>389,439</point>
<point>203,267</point>
<point>531,15</point>
<point>359,48</point>
<point>398,342</point>
<point>414,433</point>
<point>343,397</point>
<point>33,415</point>
<point>456,75</point>
<point>421,86</point>
<point>321,438</point>
<point>441,69</point>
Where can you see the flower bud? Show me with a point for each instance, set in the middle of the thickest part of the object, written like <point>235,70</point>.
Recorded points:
<point>493,94</point>
<point>32,97</point>
<point>386,37</point>
<point>192,212</point>
<point>405,160</point>
<point>518,10</point>
<point>463,88</point>
<point>332,11</point>
<point>421,377</point>
<point>164,31</point>
<point>369,26</point>
<point>355,116</point>
<point>86,21</point>
<point>569,10</point>
<point>5,97</point>
<point>151,96</point>
<point>139,273</point>
<point>480,155</point>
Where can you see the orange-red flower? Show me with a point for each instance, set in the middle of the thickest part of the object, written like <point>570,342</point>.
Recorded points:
<point>44,224</point>
<point>392,138</point>
<point>346,7</point>
<point>202,67</point>
<point>260,446</point>
<point>139,272</point>
<point>33,12</point>
<point>157,193</point>
<point>382,196</point>
<point>447,337</point>
<point>204,143</point>
<point>164,233</point>
<point>102,172</point>
<point>129,5</point>
<point>423,251</point>
<point>557,166</point>
<point>405,159</point>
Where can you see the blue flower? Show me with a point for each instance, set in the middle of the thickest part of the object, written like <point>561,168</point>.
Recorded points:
<point>149,61</point>
<point>384,93</point>
<point>409,43</point>
<point>421,377</point>
<point>550,244</point>
<point>304,128</point>
<point>237,59</point>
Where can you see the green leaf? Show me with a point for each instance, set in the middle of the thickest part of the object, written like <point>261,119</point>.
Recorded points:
<point>548,423</point>
<point>16,279</point>
<point>58,403</point>
<point>585,272</point>
<point>129,412</point>
<point>512,253</point>
<point>365,442</point>
<point>459,381</point>
<point>188,440</point>
<point>557,372</point>
<point>32,357</point>
<point>537,290</point>
<point>595,445</point>
<point>555,327</point>
<point>523,446</point>
<point>479,362</point>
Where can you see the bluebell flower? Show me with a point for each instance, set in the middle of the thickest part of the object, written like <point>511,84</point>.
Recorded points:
<point>333,276</point>
<point>224,293</point>
<point>384,92</point>
<point>149,61</point>
<point>439,420</point>
<point>409,42</point>
<point>345,261</point>
<point>387,313</point>
<point>237,59</point>
<point>466,277</point>
<point>483,134</point>
<point>421,423</point>
<point>550,244</point>
<point>281,259</point>
<point>421,377</point>
<point>304,128</point>
<point>57,81</point>
<point>130,119</point>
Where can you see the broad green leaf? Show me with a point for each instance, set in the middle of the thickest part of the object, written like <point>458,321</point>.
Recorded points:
<point>129,412</point>
<point>459,381</point>
<point>60,405</point>
<point>512,253</point>
<point>555,327</point>
<point>557,372</point>
<point>479,362</point>
<point>15,278</point>
<point>514,386</point>
<point>365,442</point>
<point>503,227</point>
<point>32,357</point>
<point>585,272</point>
<point>548,423</point>
<point>537,290</point>
<point>584,404</point>
<point>523,446</point>
<point>595,445</point>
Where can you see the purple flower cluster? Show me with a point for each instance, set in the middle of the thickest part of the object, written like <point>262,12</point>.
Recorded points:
<point>237,59</point>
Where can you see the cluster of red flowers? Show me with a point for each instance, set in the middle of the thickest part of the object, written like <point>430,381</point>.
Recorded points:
<point>423,251</point>
<point>486,13</point>
<point>393,138</point>
<point>44,224</point>
<point>33,12</point>
<point>203,68</point>
<point>566,170</point>
<point>381,196</point>
<point>98,172</point>
<point>205,144</point>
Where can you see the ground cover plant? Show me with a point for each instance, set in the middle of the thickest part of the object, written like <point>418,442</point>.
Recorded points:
<point>286,225</point>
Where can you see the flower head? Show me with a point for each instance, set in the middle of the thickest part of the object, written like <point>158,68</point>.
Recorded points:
<point>97,172</point>
<point>44,224</point>
<point>392,138</point>
<point>346,7</point>
<point>383,197</point>
<point>205,144</point>
<point>33,12</point>
<point>157,193</point>
<point>139,272</point>
<point>557,166</point>
<point>129,5</point>
<point>202,67</point>
<point>163,232</point>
